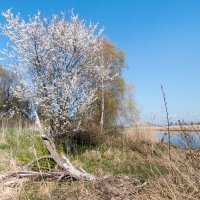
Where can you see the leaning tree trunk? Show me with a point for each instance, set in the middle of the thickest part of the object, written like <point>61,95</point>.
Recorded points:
<point>61,160</point>
<point>67,169</point>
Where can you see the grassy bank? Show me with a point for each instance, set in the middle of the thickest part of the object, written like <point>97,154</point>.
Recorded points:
<point>139,167</point>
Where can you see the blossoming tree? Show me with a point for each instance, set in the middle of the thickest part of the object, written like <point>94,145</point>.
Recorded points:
<point>60,67</point>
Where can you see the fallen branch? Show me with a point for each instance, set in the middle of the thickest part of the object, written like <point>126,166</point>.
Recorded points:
<point>67,169</point>
<point>32,174</point>
<point>62,161</point>
<point>36,160</point>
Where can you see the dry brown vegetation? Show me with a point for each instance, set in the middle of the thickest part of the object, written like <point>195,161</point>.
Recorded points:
<point>138,167</point>
<point>172,128</point>
<point>142,133</point>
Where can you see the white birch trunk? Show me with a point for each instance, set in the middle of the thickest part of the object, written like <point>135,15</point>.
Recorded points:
<point>102,107</point>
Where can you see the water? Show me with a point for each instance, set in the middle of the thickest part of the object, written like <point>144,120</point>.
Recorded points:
<point>191,139</point>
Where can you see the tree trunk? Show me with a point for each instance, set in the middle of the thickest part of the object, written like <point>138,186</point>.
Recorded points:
<point>61,160</point>
<point>102,107</point>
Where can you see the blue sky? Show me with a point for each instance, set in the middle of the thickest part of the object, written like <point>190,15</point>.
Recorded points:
<point>161,39</point>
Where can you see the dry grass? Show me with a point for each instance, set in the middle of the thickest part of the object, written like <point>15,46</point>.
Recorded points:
<point>118,187</point>
<point>142,134</point>
<point>11,188</point>
<point>138,165</point>
<point>182,182</point>
<point>172,128</point>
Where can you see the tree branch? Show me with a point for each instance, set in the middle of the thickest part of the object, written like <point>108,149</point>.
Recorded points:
<point>36,160</point>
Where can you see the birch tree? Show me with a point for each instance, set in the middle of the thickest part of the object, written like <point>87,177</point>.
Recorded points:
<point>59,64</point>
<point>110,89</point>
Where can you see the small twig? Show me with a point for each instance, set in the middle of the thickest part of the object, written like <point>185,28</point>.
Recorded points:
<point>168,124</point>
<point>81,169</point>
<point>36,160</point>
<point>64,174</point>
<point>141,186</point>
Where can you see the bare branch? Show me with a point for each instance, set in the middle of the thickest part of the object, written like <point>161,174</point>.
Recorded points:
<point>36,160</point>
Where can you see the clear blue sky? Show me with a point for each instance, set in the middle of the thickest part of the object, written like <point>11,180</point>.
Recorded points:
<point>161,39</point>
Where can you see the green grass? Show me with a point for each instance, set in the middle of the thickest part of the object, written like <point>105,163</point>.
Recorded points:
<point>113,161</point>
<point>22,145</point>
<point>25,145</point>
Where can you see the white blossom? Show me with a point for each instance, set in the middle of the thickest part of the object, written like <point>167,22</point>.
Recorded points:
<point>60,66</point>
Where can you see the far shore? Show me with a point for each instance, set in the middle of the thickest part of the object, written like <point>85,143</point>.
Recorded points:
<point>172,128</point>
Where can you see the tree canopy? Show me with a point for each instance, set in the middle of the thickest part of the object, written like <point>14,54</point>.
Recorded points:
<point>59,63</point>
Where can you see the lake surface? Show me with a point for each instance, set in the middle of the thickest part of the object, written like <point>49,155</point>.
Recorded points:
<point>191,139</point>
